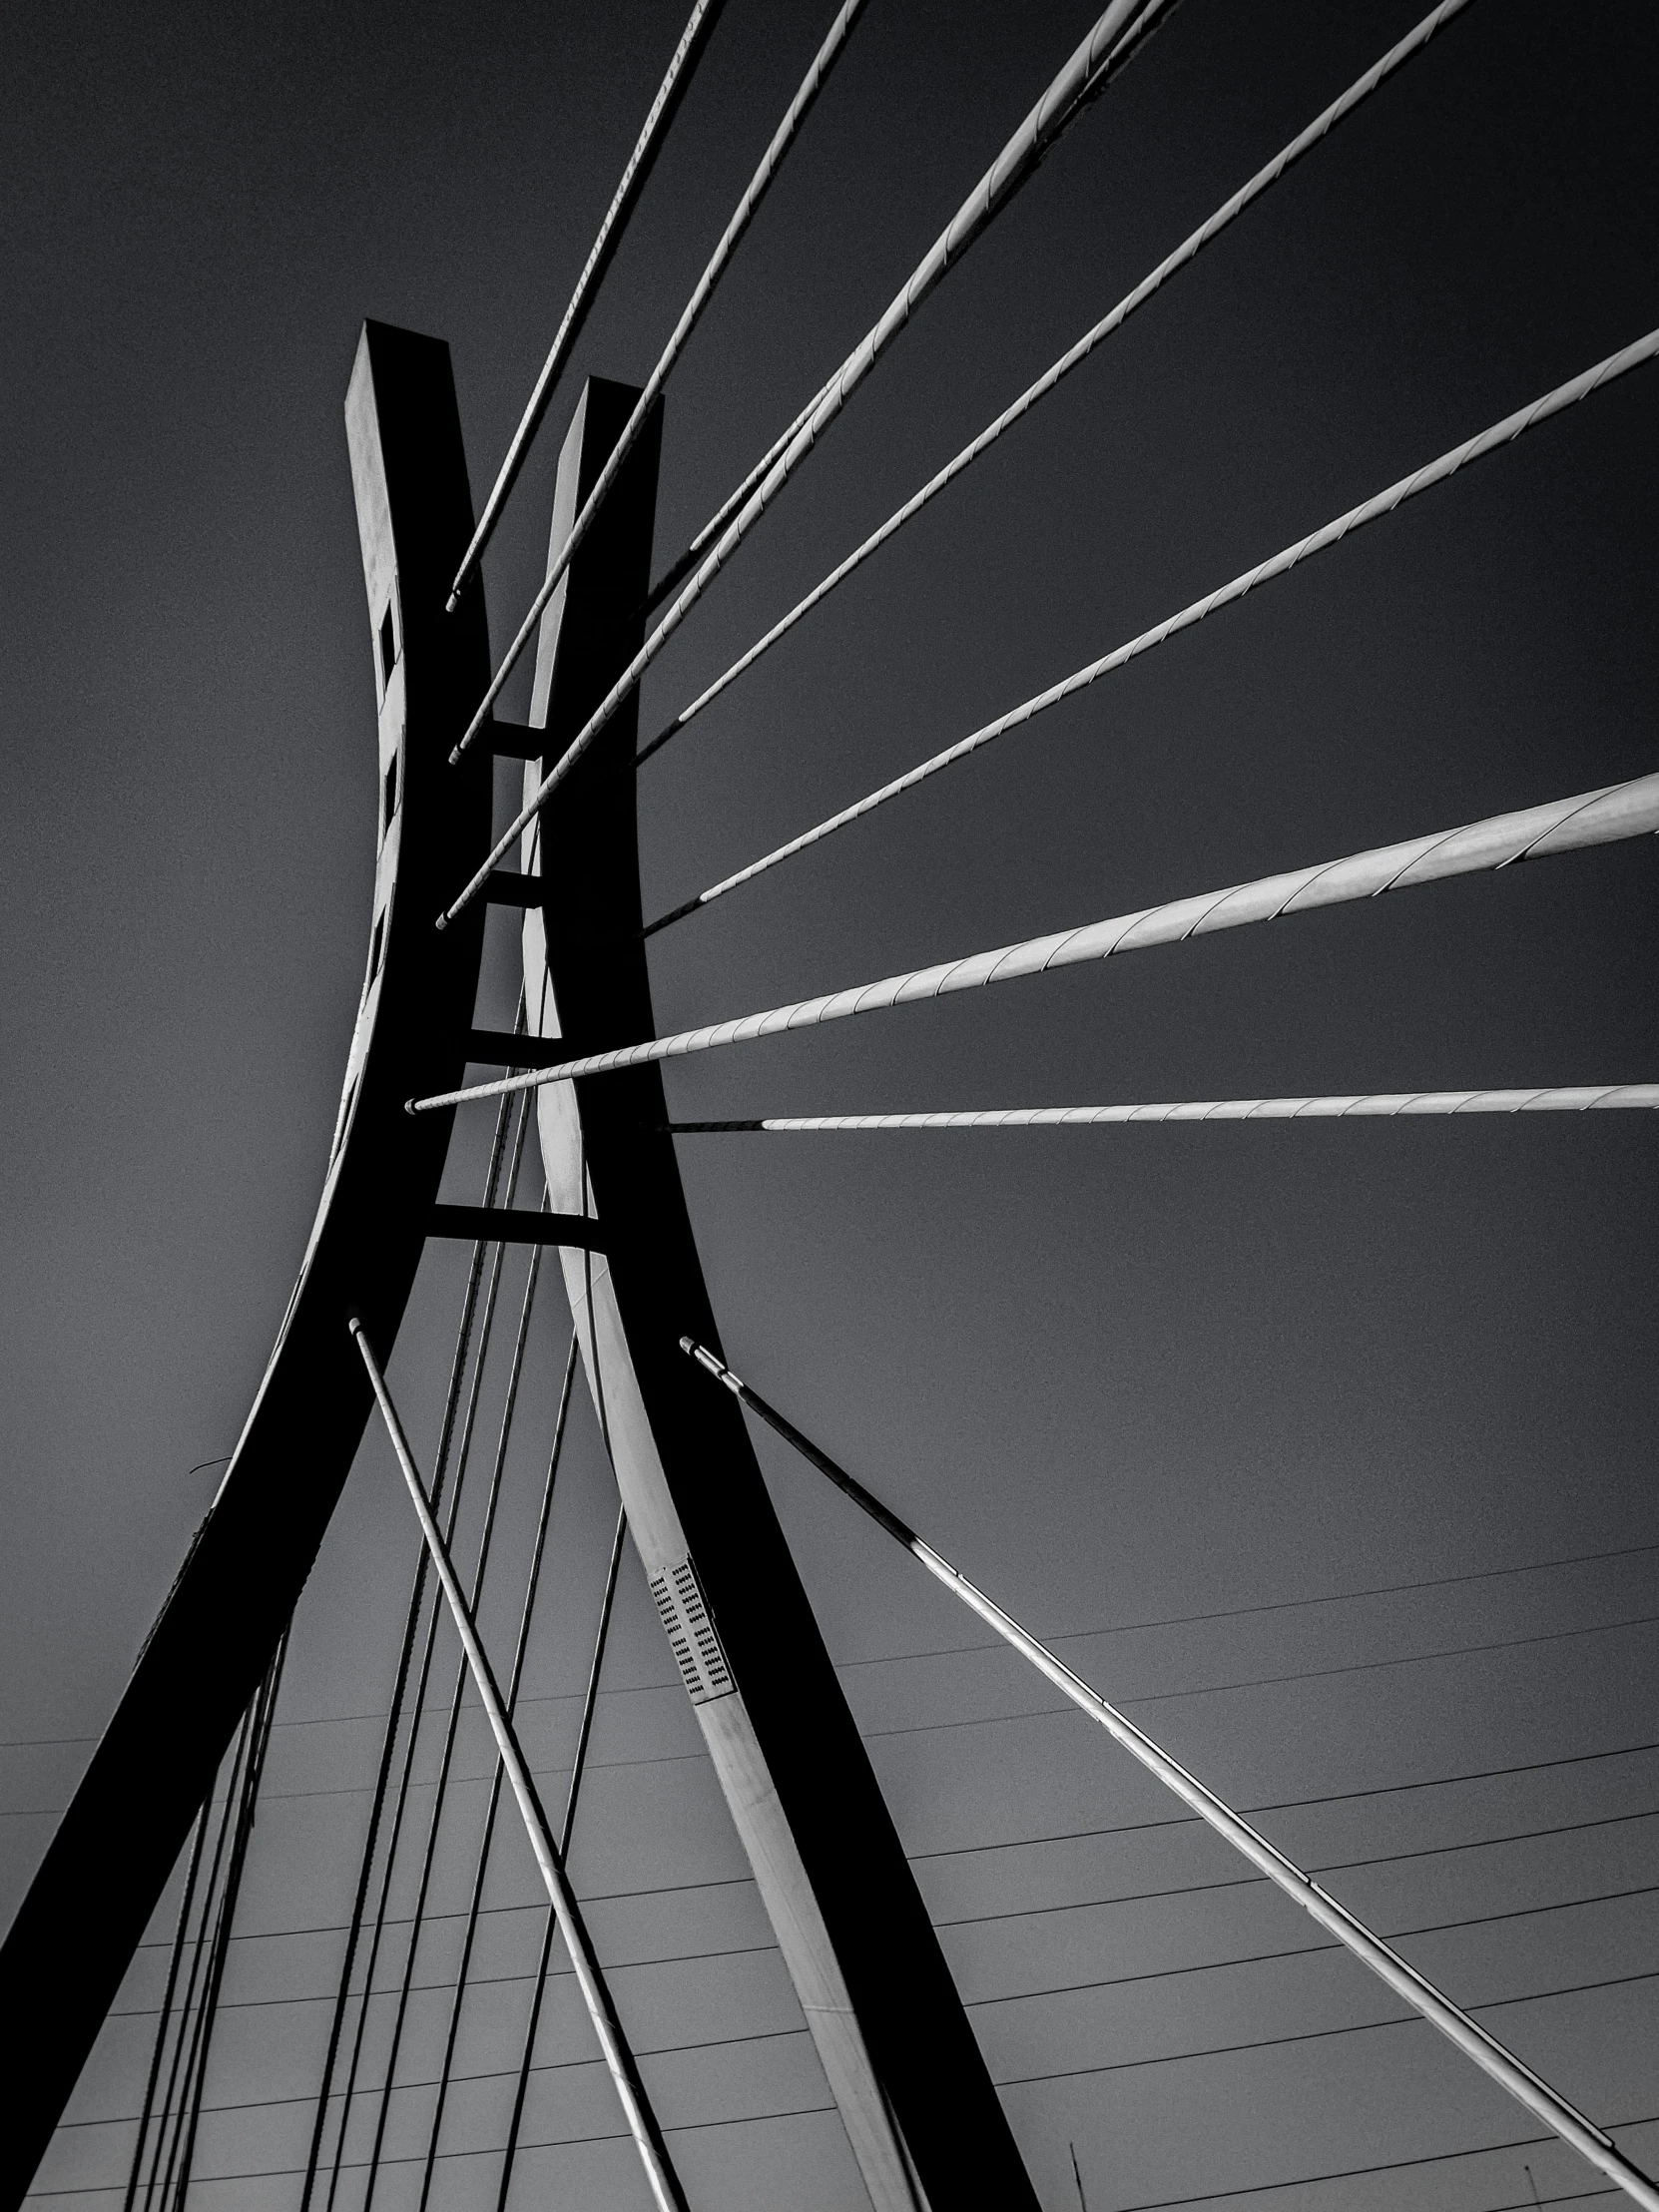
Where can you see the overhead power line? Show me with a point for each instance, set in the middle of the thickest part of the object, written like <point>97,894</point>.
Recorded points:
<point>1356,2173</point>
<point>1348,1106</point>
<point>1385,502</point>
<point>1063,1636</point>
<point>693,40</point>
<point>1050,1712</point>
<point>1115,37</point>
<point>1617,810</point>
<point>1189,249</point>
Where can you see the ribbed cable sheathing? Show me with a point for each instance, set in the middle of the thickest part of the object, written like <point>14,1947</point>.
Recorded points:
<point>1617,810</point>
<point>692,39</point>
<point>1581,1098</point>
<point>1188,251</point>
<point>1118,30</point>
<point>1512,426</point>
<point>743,214</point>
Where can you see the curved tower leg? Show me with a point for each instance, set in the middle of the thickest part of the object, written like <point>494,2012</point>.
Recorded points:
<point>919,2106</point>
<point>86,1909</point>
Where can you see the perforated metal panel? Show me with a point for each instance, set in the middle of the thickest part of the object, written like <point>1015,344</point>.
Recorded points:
<point>697,1647</point>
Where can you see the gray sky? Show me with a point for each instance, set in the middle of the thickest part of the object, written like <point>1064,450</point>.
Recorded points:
<point>1122,1376</point>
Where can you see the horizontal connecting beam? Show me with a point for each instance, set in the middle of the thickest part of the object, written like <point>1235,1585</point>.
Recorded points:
<point>1529,2089</point>
<point>1583,1098</point>
<point>515,1225</point>
<point>1602,816</point>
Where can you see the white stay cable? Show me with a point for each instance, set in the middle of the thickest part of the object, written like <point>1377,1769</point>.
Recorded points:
<point>1509,2072</point>
<point>1579,1098</point>
<point>743,214</point>
<point>692,39</point>
<point>1189,251</point>
<point>1115,35</point>
<point>1603,817</point>
<point>660,2175</point>
<point>1512,426</point>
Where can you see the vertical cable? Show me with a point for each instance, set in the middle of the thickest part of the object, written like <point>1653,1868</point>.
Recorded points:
<point>486,1839</point>
<point>411,1629</point>
<point>163,2018</point>
<point>263,1710</point>
<point>538,1986</point>
<point>231,1789</point>
<point>440,1793</point>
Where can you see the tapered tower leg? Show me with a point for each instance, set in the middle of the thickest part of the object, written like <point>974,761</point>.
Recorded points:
<point>921,2114</point>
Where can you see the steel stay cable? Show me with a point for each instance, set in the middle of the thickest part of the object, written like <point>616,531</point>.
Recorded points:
<point>405,1653</point>
<point>1407,1982</point>
<point>520,1648</point>
<point>694,41</point>
<point>165,2015</point>
<point>1603,817</point>
<point>218,1907</point>
<point>264,1705</point>
<point>743,214</point>
<point>492,1499</point>
<point>1189,251</point>
<point>642,2123</point>
<point>1115,37</point>
<point>538,1988</point>
<point>418,1707</point>
<point>681,567</point>
<point>1345,1106</point>
<point>198,1954</point>
<point>1634,355</point>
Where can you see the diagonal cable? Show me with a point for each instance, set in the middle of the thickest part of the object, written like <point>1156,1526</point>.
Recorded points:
<point>1634,355</point>
<point>493,1502</point>
<point>1407,1982</point>
<point>538,1986</point>
<point>1382,1105</point>
<point>743,214</point>
<point>199,1953</point>
<point>1074,357</point>
<point>1615,812</point>
<point>418,1710</point>
<point>475,1902</point>
<point>263,1710</point>
<point>163,2018</point>
<point>1115,37</point>
<point>693,41</point>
